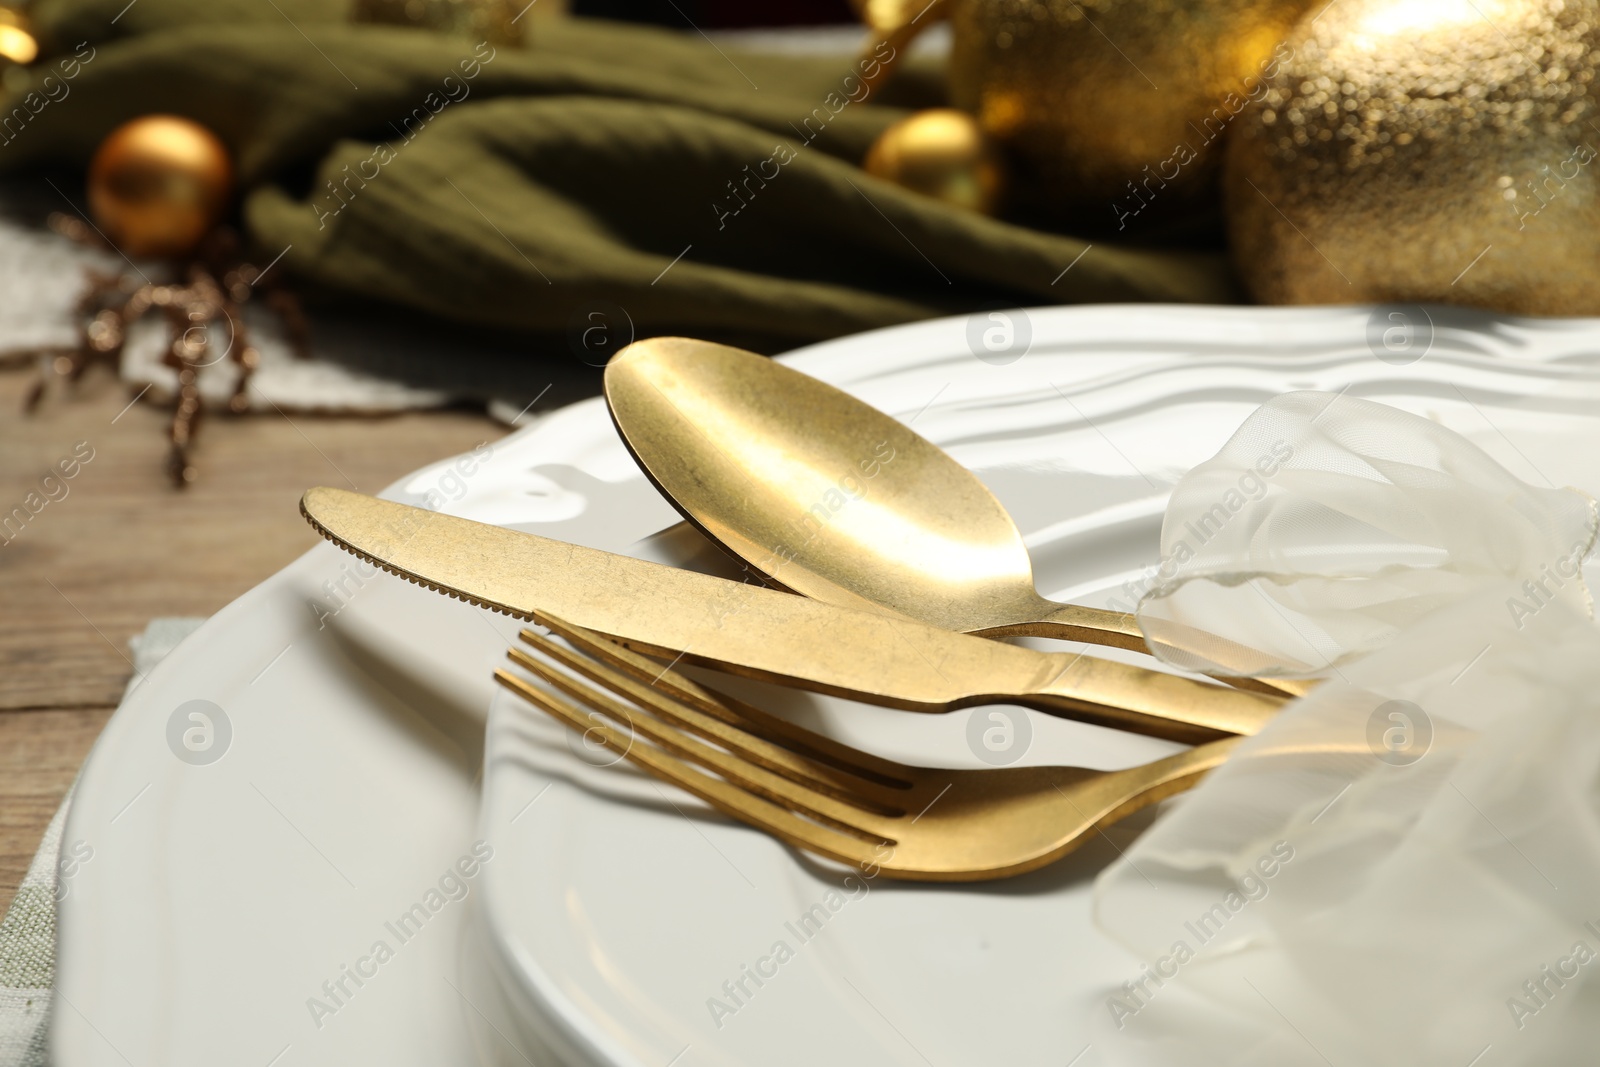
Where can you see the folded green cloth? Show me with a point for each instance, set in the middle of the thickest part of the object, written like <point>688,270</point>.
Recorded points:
<point>705,190</point>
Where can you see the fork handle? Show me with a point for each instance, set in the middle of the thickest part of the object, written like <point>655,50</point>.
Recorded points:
<point>1150,783</point>
<point>1152,702</point>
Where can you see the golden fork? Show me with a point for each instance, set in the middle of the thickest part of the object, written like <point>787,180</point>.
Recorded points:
<point>817,794</point>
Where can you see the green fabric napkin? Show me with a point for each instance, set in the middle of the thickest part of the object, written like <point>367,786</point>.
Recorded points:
<point>705,190</point>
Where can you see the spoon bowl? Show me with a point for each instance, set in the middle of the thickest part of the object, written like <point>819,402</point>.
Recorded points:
<point>831,498</point>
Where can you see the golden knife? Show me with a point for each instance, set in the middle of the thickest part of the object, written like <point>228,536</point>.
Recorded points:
<point>763,633</point>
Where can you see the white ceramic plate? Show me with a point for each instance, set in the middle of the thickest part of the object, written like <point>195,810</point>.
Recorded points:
<point>628,924</point>
<point>225,903</point>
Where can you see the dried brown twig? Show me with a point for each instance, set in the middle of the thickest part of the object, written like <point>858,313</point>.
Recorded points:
<point>217,284</point>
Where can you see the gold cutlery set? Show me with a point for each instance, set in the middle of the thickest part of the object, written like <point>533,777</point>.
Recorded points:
<point>888,556</point>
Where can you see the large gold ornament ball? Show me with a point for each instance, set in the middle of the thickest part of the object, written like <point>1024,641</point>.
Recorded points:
<point>940,153</point>
<point>1426,150</point>
<point>1117,106</point>
<point>158,184</point>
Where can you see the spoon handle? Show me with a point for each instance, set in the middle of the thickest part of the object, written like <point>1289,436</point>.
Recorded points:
<point>1153,702</point>
<point>1073,622</point>
<point>1118,629</point>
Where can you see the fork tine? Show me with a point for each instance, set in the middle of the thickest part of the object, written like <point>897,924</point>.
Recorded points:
<point>833,807</point>
<point>725,796</point>
<point>771,734</point>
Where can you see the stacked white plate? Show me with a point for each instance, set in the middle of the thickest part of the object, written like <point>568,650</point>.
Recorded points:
<point>333,866</point>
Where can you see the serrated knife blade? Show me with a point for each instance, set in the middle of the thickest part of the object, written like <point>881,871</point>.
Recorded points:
<point>763,633</point>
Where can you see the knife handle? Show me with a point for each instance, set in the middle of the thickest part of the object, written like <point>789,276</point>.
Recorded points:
<point>1144,701</point>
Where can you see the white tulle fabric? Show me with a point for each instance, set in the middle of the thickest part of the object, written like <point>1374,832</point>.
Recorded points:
<point>1404,868</point>
<point>1328,523</point>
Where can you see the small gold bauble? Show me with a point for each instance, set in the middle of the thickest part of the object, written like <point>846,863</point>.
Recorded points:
<point>1117,101</point>
<point>158,184</point>
<point>943,154</point>
<point>1426,150</point>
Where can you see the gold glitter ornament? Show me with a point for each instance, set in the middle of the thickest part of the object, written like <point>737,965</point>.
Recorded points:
<point>1118,101</point>
<point>1426,150</point>
<point>943,154</point>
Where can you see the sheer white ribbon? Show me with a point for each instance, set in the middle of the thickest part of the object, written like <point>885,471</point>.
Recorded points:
<point>1404,868</point>
<point>1327,524</point>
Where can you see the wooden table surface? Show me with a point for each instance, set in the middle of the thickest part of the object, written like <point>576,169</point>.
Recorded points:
<point>122,547</point>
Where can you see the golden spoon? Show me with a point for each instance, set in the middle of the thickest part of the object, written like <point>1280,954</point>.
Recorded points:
<point>830,497</point>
